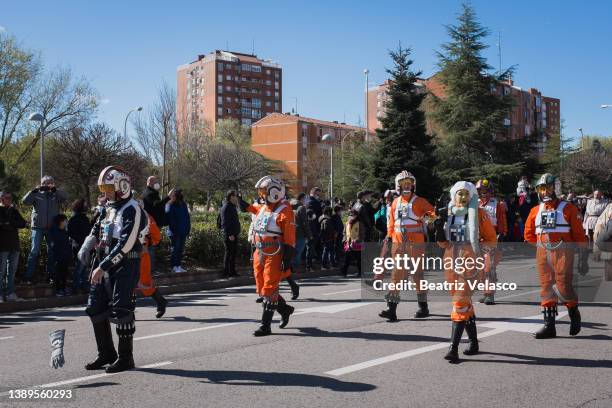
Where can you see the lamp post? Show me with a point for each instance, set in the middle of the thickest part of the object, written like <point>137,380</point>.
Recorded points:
<point>327,138</point>
<point>138,109</point>
<point>37,117</point>
<point>367,129</point>
<point>581,139</point>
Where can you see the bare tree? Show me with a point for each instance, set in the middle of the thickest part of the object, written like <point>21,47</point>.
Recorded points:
<point>65,102</point>
<point>18,71</point>
<point>156,132</point>
<point>77,156</point>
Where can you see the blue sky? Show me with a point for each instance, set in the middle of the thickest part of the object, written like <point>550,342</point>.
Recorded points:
<point>127,49</point>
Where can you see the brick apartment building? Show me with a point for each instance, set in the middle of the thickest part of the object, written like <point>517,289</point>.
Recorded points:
<point>223,85</point>
<point>295,141</point>
<point>531,112</point>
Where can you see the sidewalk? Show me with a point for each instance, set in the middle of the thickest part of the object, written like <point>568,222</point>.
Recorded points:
<point>42,296</point>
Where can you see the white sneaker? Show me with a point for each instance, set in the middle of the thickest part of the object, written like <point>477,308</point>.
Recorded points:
<point>181,269</point>
<point>177,269</point>
<point>13,298</point>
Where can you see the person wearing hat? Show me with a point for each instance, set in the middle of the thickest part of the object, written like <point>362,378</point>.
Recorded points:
<point>466,236</point>
<point>553,226</point>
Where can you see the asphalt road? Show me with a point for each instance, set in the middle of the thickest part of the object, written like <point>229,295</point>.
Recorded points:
<point>336,352</point>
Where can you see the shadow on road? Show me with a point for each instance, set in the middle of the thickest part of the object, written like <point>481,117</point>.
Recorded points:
<point>251,378</point>
<point>316,332</point>
<point>97,384</point>
<point>544,361</point>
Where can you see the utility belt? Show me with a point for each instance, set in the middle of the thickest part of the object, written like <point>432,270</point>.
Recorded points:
<point>402,229</point>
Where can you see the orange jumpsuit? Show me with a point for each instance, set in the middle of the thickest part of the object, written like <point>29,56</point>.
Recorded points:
<point>145,283</point>
<point>555,266</point>
<point>496,210</point>
<point>461,294</point>
<point>274,225</point>
<point>405,226</point>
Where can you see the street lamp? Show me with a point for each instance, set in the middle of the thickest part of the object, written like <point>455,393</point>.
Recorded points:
<point>327,138</point>
<point>366,72</point>
<point>37,117</point>
<point>138,109</point>
<point>581,139</point>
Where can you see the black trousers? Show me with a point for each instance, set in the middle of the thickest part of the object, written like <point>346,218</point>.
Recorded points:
<point>349,257</point>
<point>229,257</point>
<point>60,274</point>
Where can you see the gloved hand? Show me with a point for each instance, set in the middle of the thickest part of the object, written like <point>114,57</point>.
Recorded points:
<point>439,228</point>
<point>85,251</point>
<point>288,252</point>
<point>56,338</point>
<point>242,204</point>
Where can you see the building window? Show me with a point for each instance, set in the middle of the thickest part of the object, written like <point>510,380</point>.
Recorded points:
<point>276,85</point>
<point>268,104</point>
<point>228,88</point>
<point>268,82</point>
<point>256,103</point>
<point>228,77</point>
<point>246,121</point>
<point>268,72</point>
<point>219,111</point>
<point>268,92</point>
<point>220,88</point>
<point>219,99</point>
<point>228,66</point>
<point>276,74</point>
<point>220,78</point>
<point>220,66</point>
<point>276,106</point>
<point>229,111</point>
<point>228,99</point>
<point>255,68</point>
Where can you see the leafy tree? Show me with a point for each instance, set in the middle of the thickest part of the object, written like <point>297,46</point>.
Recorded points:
<point>470,116</point>
<point>404,142</point>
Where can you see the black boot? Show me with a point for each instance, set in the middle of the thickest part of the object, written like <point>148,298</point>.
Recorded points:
<point>575,320</point>
<point>285,311</point>
<point>470,329</point>
<point>390,313</point>
<point>453,351</point>
<point>548,331</point>
<point>295,288</point>
<point>266,319</point>
<point>161,303</point>
<point>125,361</point>
<point>259,299</point>
<point>423,310</point>
<point>106,348</point>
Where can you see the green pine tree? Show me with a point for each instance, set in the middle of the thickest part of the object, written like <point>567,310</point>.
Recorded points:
<point>469,119</point>
<point>403,140</point>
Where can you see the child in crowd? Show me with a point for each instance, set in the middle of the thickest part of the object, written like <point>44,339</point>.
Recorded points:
<point>62,253</point>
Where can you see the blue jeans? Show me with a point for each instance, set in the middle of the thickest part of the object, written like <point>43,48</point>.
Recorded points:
<point>328,254</point>
<point>300,244</point>
<point>176,250</point>
<point>8,266</point>
<point>79,279</point>
<point>37,236</point>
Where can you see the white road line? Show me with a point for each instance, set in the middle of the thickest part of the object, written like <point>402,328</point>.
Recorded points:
<point>498,327</point>
<point>344,291</point>
<point>88,378</point>
<point>399,356</point>
<point>153,336</point>
<point>7,337</point>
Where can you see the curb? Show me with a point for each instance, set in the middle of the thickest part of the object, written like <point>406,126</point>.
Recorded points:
<point>189,286</point>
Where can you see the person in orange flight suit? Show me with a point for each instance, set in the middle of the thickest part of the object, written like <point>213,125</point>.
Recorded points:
<point>406,235</point>
<point>552,226</point>
<point>274,239</point>
<point>468,234</point>
<point>496,210</point>
<point>145,282</point>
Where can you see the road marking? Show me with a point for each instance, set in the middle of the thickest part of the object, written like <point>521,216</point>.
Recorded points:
<point>154,336</point>
<point>398,356</point>
<point>7,337</point>
<point>344,291</point>
<point>341,307</point>
<point>88,378</point>
<point>538,290</point>
<point>497,328</point>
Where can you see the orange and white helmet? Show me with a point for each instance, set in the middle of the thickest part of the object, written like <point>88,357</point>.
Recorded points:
<point>114,179</point>
<point>271,189</point>
<point>403,175</point>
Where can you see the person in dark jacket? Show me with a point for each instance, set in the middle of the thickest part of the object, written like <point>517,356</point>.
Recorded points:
<point>155,206</point>
<point>314,210</point>
<point>303,234</point>
<point>78,229</point>
<point>46,201</point>
<point>62,253</point>
<point>179,226</point>
<point>230,226</point>
<point>328,236</point>
<point>365,212</point>
<point>10,222</point>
